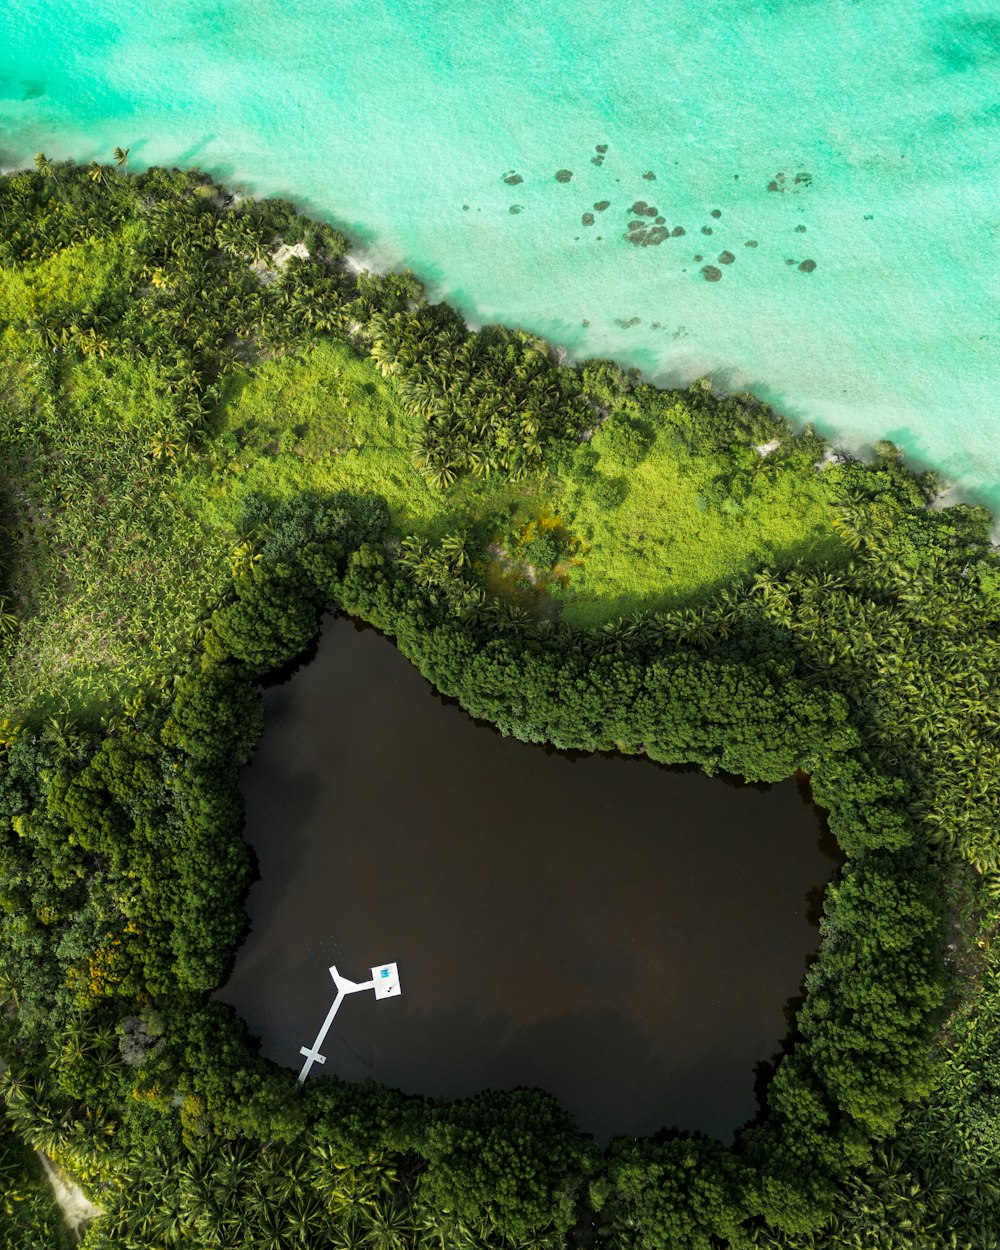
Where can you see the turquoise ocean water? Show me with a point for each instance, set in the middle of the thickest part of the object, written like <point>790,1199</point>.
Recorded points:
<point>860,135</point>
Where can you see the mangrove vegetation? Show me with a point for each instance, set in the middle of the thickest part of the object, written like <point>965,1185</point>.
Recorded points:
<point>212,430</point>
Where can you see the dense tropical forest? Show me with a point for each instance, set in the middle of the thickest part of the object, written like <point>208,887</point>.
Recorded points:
<point>213,428</point>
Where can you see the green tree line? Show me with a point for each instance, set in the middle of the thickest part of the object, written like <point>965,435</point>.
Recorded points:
<point>134,306</point>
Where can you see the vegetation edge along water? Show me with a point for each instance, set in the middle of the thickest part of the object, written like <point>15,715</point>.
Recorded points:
<point>212,429</point>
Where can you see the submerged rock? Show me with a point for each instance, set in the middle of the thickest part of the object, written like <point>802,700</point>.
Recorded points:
<point>649,176</point>
<point>563,175</point>
<point>750,243</point>
<point>711,273</point>
<point>800,229</point>
<point>512,179</point>
<point>601,205</point>
<point>677,232</point>
<point>706,229</point>
<point>716,212</point>
<point>601,147</point>
<point>726,258</point>
<point>807,266</point>
<point>515,209</point>
<point>588,219</point>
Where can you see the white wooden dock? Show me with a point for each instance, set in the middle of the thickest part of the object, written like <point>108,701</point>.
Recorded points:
<point>385,984</point>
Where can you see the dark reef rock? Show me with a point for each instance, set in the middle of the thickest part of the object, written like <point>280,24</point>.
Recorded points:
<point>649,176</point>
<point>807,266</point>
<point>515,209</point>
<point>601,147</point>
<point>711,274</point>
<point>659,221</point>
<point>706,229</point>
<point>716,212</point>
<point>803,179</point>
<point>601,205</point>
<point>800,229</point>
<point>512,179</point>
<point>563,175</point>
<point>678,232</point>
<point>588,219</point>
<point>597,160</point>
<point>750,243</point>
<point>726,258</point>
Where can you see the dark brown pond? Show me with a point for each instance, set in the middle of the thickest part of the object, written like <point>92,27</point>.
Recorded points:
<point>624,935</point>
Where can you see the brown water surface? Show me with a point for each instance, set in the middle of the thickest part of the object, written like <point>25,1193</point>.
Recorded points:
<point>624,935</point>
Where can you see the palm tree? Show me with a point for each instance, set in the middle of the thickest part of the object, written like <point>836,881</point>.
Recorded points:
<point>121,159</point>
<point>46,167</point>
<point>390,1227</point>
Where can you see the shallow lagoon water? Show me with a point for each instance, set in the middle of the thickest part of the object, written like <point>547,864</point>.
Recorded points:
<point>875,123</point>
<point>624,935</point>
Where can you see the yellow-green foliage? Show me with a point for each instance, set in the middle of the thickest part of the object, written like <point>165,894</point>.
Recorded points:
<point>683,528</point>
<point>79,277</point>
<point>323,420</point>
<point>326,419</point>
<point>127,532</point>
